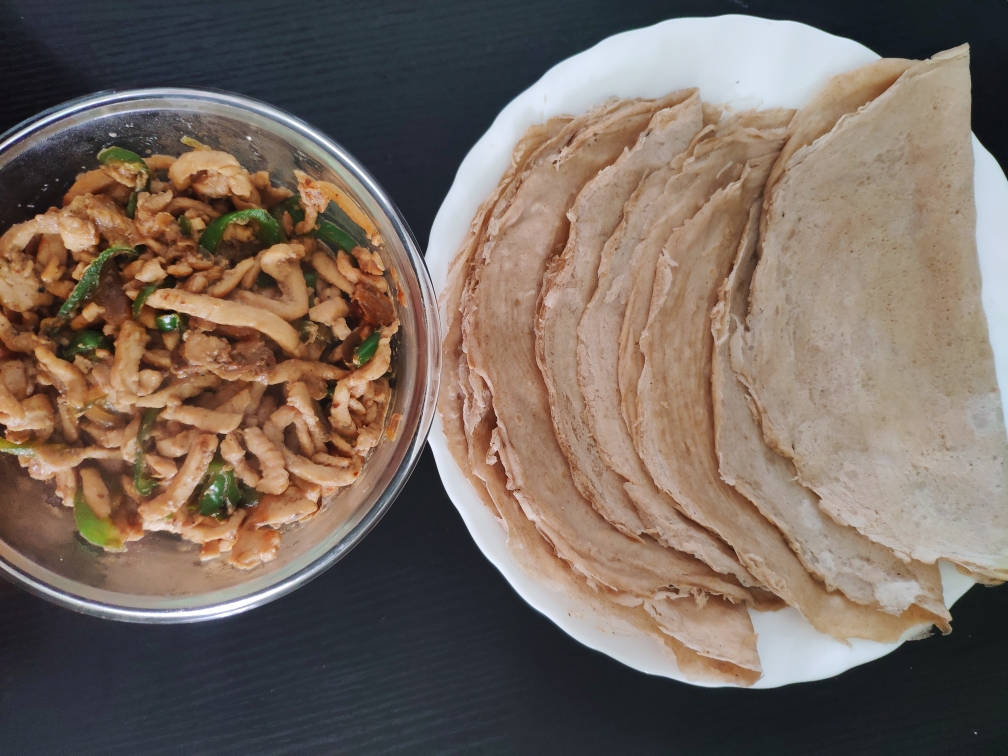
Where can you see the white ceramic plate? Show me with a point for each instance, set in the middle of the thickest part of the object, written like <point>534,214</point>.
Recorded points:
<point>747,62</point>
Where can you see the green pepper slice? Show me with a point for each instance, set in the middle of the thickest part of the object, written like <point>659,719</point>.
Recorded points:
<point>326,402</point>
<point>310,331</point>
<point>366,349</point>
<point>220,490</point>
<point>231,490</point>
<point>115,156</point>
<point>142,298</point>
<point>28,448</point>
<point>341,220</point>
<point>146,424</point>
<point>146,291</point>
<point>340,231</point>
<point>85,343</point>
<point>249,496</point>
<point>131,206</point>
<point>335,236</point>
<point>94,529</point>
<point>18,450</point>
<point>143,483</point>
<point>189,141</point>
<point>89,281</point>
<point>311,281</point>
<point>270,232</point>
<point>185,225</point>
<point>171,321</point>
<point>291,205</point>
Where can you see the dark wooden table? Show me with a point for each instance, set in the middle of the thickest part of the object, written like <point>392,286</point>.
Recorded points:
<point>414,643</point>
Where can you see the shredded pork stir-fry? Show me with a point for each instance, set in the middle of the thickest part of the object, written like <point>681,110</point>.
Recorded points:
<point>186,347</point>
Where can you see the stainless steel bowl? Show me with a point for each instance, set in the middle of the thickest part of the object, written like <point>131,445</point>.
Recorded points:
<point>160,578</point>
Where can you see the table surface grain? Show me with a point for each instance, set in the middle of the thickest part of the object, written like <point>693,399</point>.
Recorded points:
<point>414,643</point>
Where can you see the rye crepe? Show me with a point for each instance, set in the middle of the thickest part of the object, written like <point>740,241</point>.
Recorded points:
<point>866,348</point>
<point>713,643</point>
<point>664,200</point>
<point>569,284</point>
<point>842,558</point>
<point>501,298</point>
<point>840,95</point>
<point>723,636</point>
<point>567,287</point>
<point>723,632</point>
<point>718,643</point>
<point>675,436</point>
<point>717,162</point>
<point>450,397</point>
<point>533,554</point>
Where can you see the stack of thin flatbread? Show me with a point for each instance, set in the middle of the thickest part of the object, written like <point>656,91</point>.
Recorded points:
<point>700,362</point>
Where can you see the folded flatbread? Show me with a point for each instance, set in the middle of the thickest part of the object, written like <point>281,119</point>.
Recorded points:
<point>664,199</point>
<point>454,372</point>
<point>866,572</point>
<point>840,95</point>
<point>569,283</point>
<point>723,636</point>
<point>866,348</point>
<point>716,163</point>
<point>567,287</point>
<point>531,552</point>
<point>501,301</point>
<point>675,432</point>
